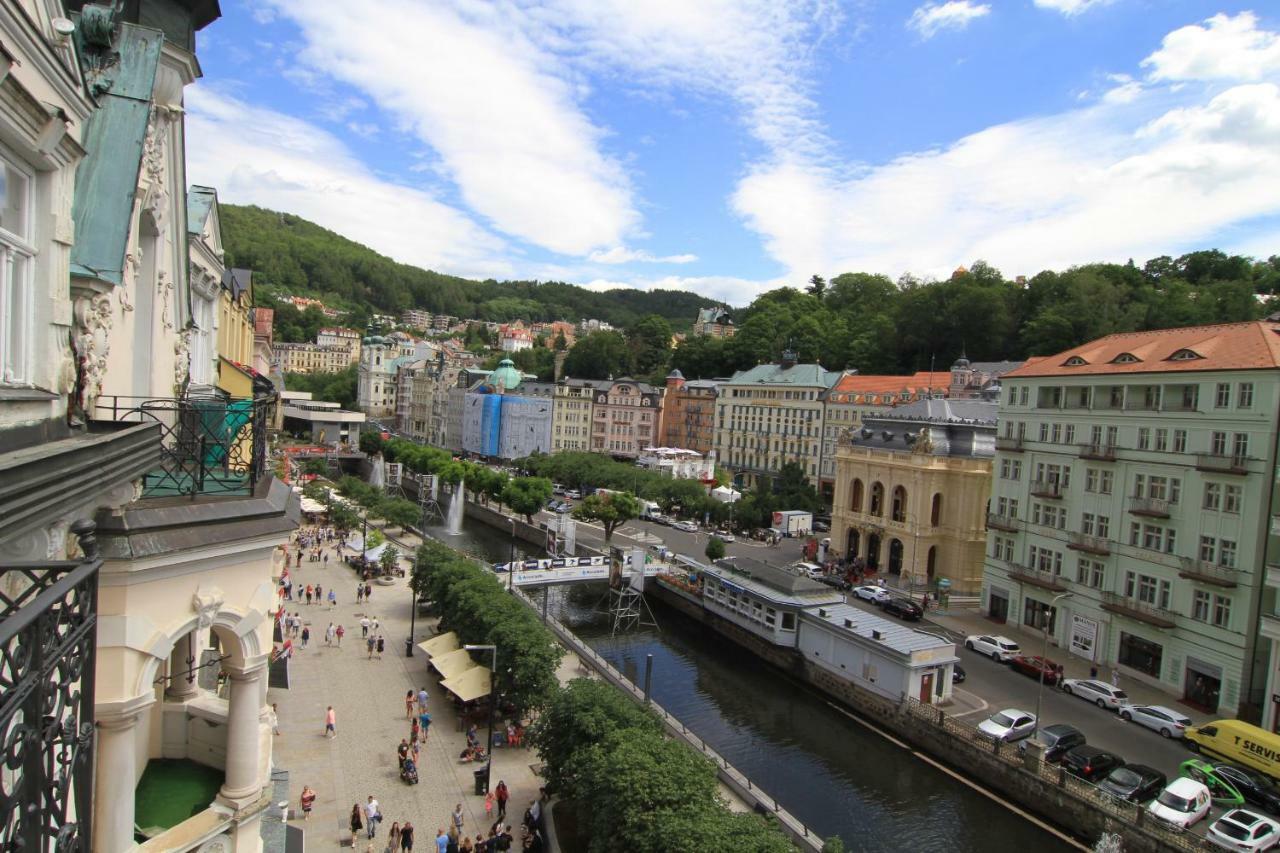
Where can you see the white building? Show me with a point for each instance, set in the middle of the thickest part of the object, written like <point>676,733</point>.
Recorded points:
<point>763,599</point>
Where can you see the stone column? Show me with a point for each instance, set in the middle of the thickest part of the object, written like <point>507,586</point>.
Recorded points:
<point>116,775</point>
<point>179,688</point>
<point>244,733</point>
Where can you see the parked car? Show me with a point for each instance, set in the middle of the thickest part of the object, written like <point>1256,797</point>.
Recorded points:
<point>903,608</point>
<point>1166,721</point>
<point>685,526</point>
<point>573,494</point>
<point>998,648</point>
<point>1239,829</point>
<point>1090,763</point>
<point>557,489</point>
<point>1009,725</point>
<point>1256,788</point>
<point>835,581</point>
<point>871,593</point>
<point>725,536</point>
<point>822,526</point>
<point>1036,667</point>
<point>1057,740</point>
<point>1099,693</point>
<point>1183,802</point>
<point>1222,792</point>
<point>1136,783</point>
<point>957,674</point>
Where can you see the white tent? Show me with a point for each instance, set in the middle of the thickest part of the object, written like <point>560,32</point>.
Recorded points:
<point>725,495</point>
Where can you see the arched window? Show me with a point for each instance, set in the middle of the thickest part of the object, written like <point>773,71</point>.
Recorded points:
<point>935,513</point>
<point>877,499</point>
<point>855,496</point>
<point>898,511</point>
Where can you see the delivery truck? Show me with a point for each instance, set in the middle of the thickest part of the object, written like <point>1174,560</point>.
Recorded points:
<point>793,523</point>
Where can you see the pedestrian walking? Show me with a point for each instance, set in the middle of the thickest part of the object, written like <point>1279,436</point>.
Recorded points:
<point>326,559</point>
<point>415,732</point>
<point>368,592</point>
<point>373,626</point>
<point>422,701</point>
<point>488,805</point>
<point>1093,672</point>
<point>406,837</point>
<point>381,646</point>
<point>329,634</point>
<point>340,632</point>
<point>372,643</point>
<point>408,705</point>
<point>442,841</point>
<point>393,839</point>
<point>1115,678</point>
<point>274,717</point>
<point>402,752</point>
<point>333,599</point>
<point>424,722</point>
<point>306,635</point>
<point>319,594</point>
<point>330,723</point>
<point>356,823</point>
<point>458,818</point>
<point>364,627</point>
<point>359,593</point>
<point>501,794</point>
<point>309,591</point>
<point>297,623</point>
<point>307,800</point>
<point>372,814</point>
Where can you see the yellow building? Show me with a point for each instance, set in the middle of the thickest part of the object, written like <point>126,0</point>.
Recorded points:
<point>235,322</point>
<point>571,414</point>
<point>911,492</point>
<point>312,358</point>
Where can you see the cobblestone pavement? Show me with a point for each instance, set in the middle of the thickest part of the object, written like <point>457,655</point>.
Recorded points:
<point>368,698</point>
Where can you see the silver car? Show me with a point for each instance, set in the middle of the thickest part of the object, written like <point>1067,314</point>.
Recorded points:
<point>1010,724</point>
<point>874,594</point>
<point>1158,718</point>
<point>1098,692</point>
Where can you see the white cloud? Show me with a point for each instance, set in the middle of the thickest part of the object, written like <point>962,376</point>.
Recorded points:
<point>364,129</point>
<point>257,156</point>
<point>623,255</point>
<point>1224,48</point>
<point>505,123</point>
<point>1070,7</point>
<point>932,18</point>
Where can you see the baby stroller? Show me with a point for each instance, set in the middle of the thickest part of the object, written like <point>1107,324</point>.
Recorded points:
<point>409,772</point>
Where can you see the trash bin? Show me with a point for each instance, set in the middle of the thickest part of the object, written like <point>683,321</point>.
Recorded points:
<point>482,781</point>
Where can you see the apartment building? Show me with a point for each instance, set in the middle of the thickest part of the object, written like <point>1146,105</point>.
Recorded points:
<point>714,323</point>
<point>624,417</point>
<point>337,336</point>
<point>770,415</point>
<point>571,416</point>
<point>1132,504</point>
<point>311,358</point>
<point>688,414</point>
<point>416,318</point>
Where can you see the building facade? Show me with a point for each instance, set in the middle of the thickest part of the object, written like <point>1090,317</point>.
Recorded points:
<point>714,323</point>
<point>311,358</point>
<point>1131,507</point>
<point>688,414</point>
<point>571,418</point>
<point>911,491</point>
<point>624,417</point>
<point>506,417</point>
<point>337,336</point>
<point>770,415</point>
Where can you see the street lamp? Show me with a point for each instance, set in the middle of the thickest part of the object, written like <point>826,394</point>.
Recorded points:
<point>413,607</point>
<point>1053,604</point>
<point>493,706</point>
<point>511,559</point>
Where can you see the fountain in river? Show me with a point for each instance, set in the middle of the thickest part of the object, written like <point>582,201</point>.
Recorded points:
<point>456,505</point>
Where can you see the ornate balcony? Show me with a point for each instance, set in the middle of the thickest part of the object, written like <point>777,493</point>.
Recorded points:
<point>1149,507</point>
<point>1008,523</point>
<point>1221,463</point>
<point>1089,544</point>
<point>1009,443</point>
<point>1046,489</point>
<point>1098,452</point>
<point>1035,577</point>
<point>1210,573</point>
<point>1139,611</point>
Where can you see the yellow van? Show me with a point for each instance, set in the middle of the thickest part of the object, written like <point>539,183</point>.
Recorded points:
<point>1239,742</point>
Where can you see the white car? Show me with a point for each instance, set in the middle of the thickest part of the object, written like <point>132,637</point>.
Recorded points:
<point>685,526</point>
<point>1244,830</point>
<point>572,494</point>
<point>1183,802</point>
<point>1098,692</point>
<point>726,537</point>
<point>1010,724</point>
<point>998,648</point>
<point>1166,721</point>
<point>874,594</point>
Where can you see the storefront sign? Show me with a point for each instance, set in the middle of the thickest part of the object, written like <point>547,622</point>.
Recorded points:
<point>1084,636</point>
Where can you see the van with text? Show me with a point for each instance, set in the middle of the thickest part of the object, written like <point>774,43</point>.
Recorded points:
<point>1239,742</point>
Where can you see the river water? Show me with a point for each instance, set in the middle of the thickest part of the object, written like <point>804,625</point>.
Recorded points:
<point>828,770</point>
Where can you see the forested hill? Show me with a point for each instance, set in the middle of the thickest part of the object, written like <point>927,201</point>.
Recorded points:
<point>290,255</point>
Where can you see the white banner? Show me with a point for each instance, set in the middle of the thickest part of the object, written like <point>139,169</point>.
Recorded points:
<point>1084,637</point>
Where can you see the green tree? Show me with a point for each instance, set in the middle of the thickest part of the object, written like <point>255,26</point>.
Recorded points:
<point>371,442</point>
<point>817,287</point>
<point>715,549</point>
<point>388,560</point>
<point>560,344</point>
<point>399,512</point>
<point>315,467</point>
<point>599,355</point>
<point>610,510</point>
<point>527,495</point>
<point>649,341</point>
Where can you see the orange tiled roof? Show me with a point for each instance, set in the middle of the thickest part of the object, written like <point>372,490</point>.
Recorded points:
<point>859,386</point>
<point>1254,345</point>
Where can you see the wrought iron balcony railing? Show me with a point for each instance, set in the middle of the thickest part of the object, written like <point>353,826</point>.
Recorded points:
<point>48,659</point>
<point>210,445</point>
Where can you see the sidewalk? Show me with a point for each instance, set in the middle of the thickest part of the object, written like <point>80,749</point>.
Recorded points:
<point>368,697</point>
<point>960,623</point>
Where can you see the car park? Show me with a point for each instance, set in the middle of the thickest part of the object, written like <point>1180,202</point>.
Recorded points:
<point>1057,740</point>
<point>1008,725</point>
<point>1158,718</point>
<point>1098,692</point>
<point>1136,783</point>
<point>1183,802</point>
<point>1256,788</point>
<point>869,592</point>
<point>1240,829</point>
<point>1036,667</point>
<point>994,646</point>
<point>1090,763</point>
<point>903,608</point>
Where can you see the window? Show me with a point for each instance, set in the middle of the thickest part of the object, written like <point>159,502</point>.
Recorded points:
<point>1208,549</point>
<point>1008,507</point>
<point>1222,398</point>
<point>1240,445</point>
<point>1231,499</point>
<point>1212,496</point>
<point>1144,438</point>
<point>1153,537</point>
<point>1044,432</point>
<point>1090,573</point>
<point>1113,436</point>
<point>1218,444</point>
<point>1200,604</point>
<point>1057,434</point>
<point>1011,469</point>
<point>1023,395</point>
<point>1147,589</point>
<point>17,299</point>
<point>1227,553</point>
<point>1092,524</point>
<point>1221,611</point>
<point>1162,439</point>
<point>1140,654</point>
<point>1244,398</point>
<point>1069,434</point>
<point>1179,441</point>
<point>1095,435</point>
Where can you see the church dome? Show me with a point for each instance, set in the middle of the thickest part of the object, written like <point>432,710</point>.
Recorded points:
<point>505,376</point>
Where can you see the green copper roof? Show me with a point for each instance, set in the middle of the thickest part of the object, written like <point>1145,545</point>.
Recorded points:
<point>107,178</point>
<point>804,375</point>
<point>200,201</point>
<point>505,375</point>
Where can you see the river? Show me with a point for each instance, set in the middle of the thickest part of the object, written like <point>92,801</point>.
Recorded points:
<point>825,768</point>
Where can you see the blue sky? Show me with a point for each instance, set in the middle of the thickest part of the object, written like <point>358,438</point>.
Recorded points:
<point>728,146</point>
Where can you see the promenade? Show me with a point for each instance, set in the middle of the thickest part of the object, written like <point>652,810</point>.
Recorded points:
<point>368,697</point>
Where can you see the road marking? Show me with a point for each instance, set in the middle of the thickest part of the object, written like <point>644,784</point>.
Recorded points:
<point>985,704</point>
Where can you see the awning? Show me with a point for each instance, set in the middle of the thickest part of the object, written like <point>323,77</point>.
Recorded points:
<point>452,664</point>
<point>373,555</point>
<point>313,507</point>
<point>470,684</point>
<point>440,644</point>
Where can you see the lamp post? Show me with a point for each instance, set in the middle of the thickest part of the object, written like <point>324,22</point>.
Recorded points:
<point>493,707</point>
<point>1044,653</point>
<point>511,559</point>
<point>413,607</point>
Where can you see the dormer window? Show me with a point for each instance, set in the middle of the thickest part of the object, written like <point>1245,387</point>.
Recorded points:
<point>1185,355</point>
<point>1126,358</point>
<point>1074,361</point>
